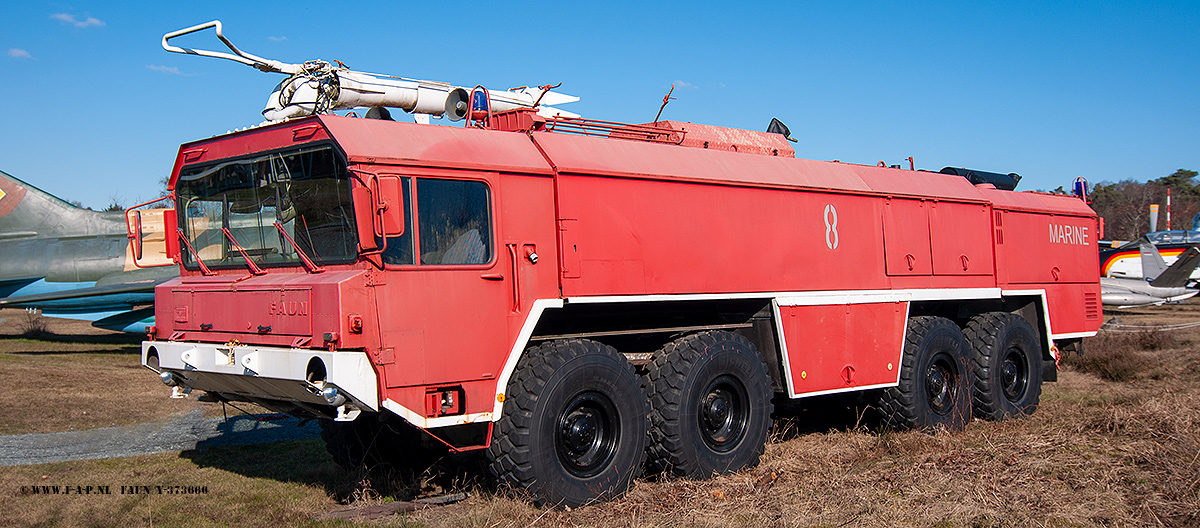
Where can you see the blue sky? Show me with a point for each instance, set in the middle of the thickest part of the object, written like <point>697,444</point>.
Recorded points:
<point>94,109</point>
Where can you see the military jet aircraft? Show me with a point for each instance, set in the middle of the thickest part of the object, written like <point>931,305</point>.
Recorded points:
<point>1167,286</point>
<point>1124,262</point>
<point>77,263</point>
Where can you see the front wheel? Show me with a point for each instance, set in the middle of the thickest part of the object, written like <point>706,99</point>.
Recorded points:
<point>373,440</point>
<point>711,405</point>
<point>573,430</point>
<point>934,389</point>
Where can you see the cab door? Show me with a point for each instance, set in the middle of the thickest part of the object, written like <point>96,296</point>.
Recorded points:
<point>459,282</point>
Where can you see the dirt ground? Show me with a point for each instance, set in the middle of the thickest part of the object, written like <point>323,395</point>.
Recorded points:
<point>67,375</point>
<point>1115,442</point>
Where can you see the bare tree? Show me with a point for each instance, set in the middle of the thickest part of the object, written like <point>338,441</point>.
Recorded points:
<point>1125,205</point>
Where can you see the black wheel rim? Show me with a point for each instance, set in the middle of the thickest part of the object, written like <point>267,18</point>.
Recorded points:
<point>1014,374</point>
<point>724,413</point>
<point>940,384</point>
<point>586,436</point>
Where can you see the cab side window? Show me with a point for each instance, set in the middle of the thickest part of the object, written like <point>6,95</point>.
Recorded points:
<point>453,222</point>
<point>399,249</point>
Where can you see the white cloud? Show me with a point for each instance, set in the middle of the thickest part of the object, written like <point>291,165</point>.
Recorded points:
<point>19,54</point>
<point>168,69</point>
<point>276,39</point>
<point>70,19</point>
<point>686,85</point>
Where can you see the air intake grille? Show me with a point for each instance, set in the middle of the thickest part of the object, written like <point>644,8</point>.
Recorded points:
<point>1091,306</point>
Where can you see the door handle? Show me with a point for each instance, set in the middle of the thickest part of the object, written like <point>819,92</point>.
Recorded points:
<point>492,276</point>
<point>516,282</point>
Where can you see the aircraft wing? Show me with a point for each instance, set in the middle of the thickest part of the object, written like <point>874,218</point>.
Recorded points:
<point>143,286</point>
<point>121,301</point>
<point>9,286</point>
<point>1130,299</point>
<point>1130,293</point>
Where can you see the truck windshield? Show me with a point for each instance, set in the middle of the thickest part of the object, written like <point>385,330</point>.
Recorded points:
<point>306,190</point>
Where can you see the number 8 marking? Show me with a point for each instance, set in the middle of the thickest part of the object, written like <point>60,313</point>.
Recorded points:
<point>831,232</point>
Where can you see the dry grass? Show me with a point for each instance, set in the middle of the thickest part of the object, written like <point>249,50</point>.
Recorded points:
<point>1120,356</point>
<point>77,377</point>
<point>1098,452</point>
<point>33,325</point>
<point>278,485</point>
<point>1022,473</point>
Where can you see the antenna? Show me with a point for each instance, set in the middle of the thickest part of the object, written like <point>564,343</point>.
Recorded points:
<point>666,99</point>
<point>318,87</point>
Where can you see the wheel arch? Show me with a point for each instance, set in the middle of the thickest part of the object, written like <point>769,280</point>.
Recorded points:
<point>655,322</point>
<point>1028,304</point>
<point>585,317</point>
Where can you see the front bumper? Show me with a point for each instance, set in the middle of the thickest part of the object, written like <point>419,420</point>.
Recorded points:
<point>267,373</point>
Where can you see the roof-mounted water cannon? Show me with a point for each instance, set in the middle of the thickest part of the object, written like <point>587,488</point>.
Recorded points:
<point>318,87</point>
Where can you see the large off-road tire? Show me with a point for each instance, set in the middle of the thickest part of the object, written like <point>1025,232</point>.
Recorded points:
<point>369,442</point>
<point>934,389</point>
<point>1007,365</point>
<point>573,430</point>
<point>710,399</point>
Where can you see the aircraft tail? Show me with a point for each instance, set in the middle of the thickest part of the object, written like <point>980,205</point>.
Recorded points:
<point>1180,272</point>
<point>1153,264</point>
<point>29,212</point>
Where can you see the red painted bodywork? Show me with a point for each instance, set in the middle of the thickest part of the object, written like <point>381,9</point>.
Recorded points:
<point>829,359</point>
<point>616,218</point>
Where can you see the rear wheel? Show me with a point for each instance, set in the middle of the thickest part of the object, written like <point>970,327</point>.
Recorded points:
<point>934,390</point>
<point>711,405</point>
<point>1007,361</point>
<point>573,430</point>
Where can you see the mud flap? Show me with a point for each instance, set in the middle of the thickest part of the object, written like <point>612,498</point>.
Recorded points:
<point>1049,370</point>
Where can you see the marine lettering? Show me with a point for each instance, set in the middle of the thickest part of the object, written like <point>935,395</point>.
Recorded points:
<point>1068,234</point>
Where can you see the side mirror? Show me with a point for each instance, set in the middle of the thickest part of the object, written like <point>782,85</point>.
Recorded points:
<point>364,211</point>
<point>150,232</point>
<point>391,205</point>
<point>133,230</point>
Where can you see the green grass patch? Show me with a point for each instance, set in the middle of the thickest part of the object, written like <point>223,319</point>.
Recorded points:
<point>281,484</point>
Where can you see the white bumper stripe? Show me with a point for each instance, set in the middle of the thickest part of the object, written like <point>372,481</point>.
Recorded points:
<point>350,370</point>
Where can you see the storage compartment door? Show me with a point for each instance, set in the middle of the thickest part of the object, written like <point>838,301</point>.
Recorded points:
<point>961,238</point>
<point>906,237</point>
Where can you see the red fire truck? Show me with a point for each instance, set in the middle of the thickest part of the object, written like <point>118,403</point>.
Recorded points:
<point>580,299</point>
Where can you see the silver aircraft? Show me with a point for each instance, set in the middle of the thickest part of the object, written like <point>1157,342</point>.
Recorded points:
<point>1168,285</point>
<point>76,263</point>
